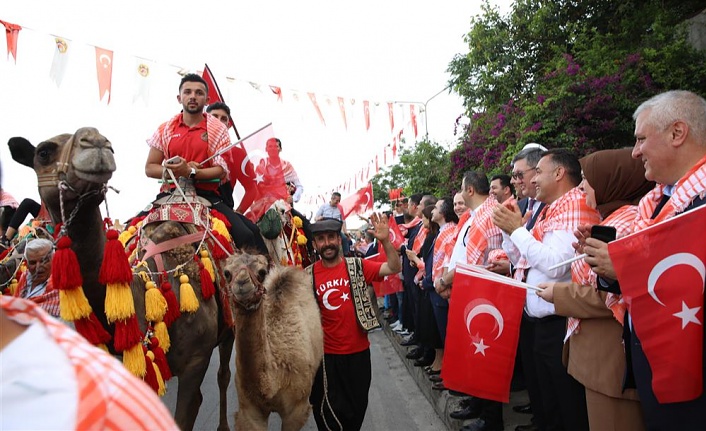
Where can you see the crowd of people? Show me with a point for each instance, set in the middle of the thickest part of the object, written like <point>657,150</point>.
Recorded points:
<point>579,354</point>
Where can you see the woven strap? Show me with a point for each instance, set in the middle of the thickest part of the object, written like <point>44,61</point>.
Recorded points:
<point>364,312</point>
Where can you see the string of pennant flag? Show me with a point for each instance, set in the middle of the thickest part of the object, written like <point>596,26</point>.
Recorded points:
<point>348,113</point>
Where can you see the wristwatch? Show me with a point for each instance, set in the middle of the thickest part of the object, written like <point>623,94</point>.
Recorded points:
<point>192,174</point>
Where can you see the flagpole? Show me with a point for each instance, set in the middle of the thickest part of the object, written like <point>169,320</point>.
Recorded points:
<point>499,279</point>
<point>233,144</point>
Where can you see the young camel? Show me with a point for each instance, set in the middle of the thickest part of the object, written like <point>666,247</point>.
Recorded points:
<point>278,339</point>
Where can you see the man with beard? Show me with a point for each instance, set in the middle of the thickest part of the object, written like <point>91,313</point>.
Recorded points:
<point>340,390</point>
<point>190,137</point>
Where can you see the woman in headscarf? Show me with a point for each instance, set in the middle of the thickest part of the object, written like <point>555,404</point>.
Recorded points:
<point>614,182</point>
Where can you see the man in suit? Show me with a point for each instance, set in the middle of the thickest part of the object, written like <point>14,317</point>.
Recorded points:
<point>670,139</point>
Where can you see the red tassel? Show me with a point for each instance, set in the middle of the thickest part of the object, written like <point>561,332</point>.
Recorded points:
<point>221,217</point>
<point>4,253</point>
<point>136,220</point>
<point>127,334</point>
<point>207,287</point>
<point>160,359</point>
<point>65,270</point>
<point>216,251</point>
<point>92,330</point>
<point>115,267</point>
<point>173,311</point>
<point>150,376</point>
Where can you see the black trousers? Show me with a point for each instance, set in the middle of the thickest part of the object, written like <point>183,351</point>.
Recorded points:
<point>563,397</point>
<point>690,415</point>
<point>526,352</point>
<point>341,404</point>
<point>15,217</point>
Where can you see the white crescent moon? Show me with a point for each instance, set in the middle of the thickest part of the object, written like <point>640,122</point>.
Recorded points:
<point>393,236</point>
<point>367,197</point>
<point>107,58</point>
<point>249,157</point>
<point>670,261</point>
<point>328,304</point>
<point>485,309</point>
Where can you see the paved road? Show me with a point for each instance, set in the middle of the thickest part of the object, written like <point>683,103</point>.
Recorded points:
<point>396,402</point>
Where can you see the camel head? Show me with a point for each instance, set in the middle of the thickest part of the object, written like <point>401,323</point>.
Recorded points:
<point>245,274</point>
<point>79,165</point>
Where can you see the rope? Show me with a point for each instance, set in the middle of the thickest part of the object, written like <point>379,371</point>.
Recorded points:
<point>327,401</point>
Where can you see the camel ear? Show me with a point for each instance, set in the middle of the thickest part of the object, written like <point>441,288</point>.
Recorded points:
<point>22,151</point>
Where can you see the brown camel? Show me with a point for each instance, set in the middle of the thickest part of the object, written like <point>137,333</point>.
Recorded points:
<point>73,171</point>
<point>278,338</point>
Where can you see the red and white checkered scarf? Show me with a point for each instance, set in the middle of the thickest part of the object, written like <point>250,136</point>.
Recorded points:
<point>483,234</point>
<point>442,247</point>
<point>566,213</point>
<point>622,220</point>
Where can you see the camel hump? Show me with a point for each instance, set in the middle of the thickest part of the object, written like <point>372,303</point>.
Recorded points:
<point>285,280</point>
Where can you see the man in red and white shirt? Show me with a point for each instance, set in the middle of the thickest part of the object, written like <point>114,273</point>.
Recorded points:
<point>35,283</point>
<point>185,141</point>
<point>340,390</point>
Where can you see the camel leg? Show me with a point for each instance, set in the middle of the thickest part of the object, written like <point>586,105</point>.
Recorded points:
<point>189,396</point>
<point>225,350</point>
<point>296,418</point>
<point>251,419</point>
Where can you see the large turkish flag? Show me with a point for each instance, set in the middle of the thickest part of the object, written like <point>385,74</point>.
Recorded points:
<point>482,335</point>
<point>391,283</point>
<point>661,273</point>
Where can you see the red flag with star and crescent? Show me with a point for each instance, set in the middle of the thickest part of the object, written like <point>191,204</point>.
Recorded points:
<point>482,335</point>
<point>391,283</point>
<point>662,281</point>
<point>359,202</point>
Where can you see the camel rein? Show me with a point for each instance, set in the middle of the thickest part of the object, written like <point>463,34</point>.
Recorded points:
<point>259,292</point>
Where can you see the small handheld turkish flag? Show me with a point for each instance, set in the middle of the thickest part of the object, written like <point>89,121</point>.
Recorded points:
<point>662,281</point>
<point>482,335</point>
<point>359,202</point>
<point>396,237</point>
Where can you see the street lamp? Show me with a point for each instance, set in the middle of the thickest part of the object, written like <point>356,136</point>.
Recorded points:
<point>424,104</point>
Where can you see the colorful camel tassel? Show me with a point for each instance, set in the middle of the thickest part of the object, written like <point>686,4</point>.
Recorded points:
<point>206,261</point>
<point>207,287</point>
<point>155,304</point>
<point>161,334</point>
<point>188,302</point>
<point>134,360</point>
<point>173,311</point>
<point>160,359</point>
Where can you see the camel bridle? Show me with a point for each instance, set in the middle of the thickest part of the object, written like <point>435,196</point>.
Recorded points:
<point>259,292</point>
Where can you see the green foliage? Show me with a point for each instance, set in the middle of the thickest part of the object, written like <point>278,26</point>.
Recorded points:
<point>423,167</point>
<point>567,74</point>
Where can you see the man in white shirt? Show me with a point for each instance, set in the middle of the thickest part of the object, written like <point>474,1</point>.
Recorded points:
<point>557,176</point>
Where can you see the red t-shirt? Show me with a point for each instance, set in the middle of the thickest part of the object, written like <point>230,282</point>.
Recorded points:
<point>342,334</point>
<point>191,143</point>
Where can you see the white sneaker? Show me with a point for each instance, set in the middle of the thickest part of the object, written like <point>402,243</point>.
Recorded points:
<point>396,324</point>
<point>403,332</point>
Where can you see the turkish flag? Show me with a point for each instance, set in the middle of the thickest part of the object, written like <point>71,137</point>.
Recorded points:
<point>391,283</point>
<point>104,70</point>
<point>396,237</point>
<point>358,202</point>
<point>269,183</point>
<point>482,335</point>
<point>662,281</point>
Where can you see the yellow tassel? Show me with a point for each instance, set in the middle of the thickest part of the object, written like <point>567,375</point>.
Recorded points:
<point>13,287</point>
<point>301,239</point>
<point>119,304</point>
<point>162,334</point>
<point>206,261</point>
<point>160,381</point>
<point>73,304</point>
<point>125,235</point>
<point>297,222</point>
<point>133,255</point>
<point>155,304</point>
<point>134,360</point>
<point>188,303</point>
<point>220,227</point>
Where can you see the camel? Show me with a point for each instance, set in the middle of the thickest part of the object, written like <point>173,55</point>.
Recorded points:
<point>73,171</point>
<point>278,338</point>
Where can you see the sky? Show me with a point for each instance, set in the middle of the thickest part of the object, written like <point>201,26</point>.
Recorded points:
<point>389,51</point>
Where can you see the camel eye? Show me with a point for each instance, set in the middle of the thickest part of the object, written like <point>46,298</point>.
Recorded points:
<point>43,155</point>
<point>261,274</point>
<point>228,275</point>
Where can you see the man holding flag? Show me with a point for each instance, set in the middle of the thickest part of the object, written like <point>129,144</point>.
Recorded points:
<point>655,274</point>
<point>185,141</point>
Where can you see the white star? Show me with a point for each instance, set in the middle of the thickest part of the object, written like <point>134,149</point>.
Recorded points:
<point>345,297</point>
<point>480,347</point>
<point>687,315</point>
<point>259,178</point>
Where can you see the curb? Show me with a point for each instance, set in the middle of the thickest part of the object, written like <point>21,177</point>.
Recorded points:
<point>442,401</point>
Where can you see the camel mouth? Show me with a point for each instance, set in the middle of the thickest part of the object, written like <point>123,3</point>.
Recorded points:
<point>94,177</point>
